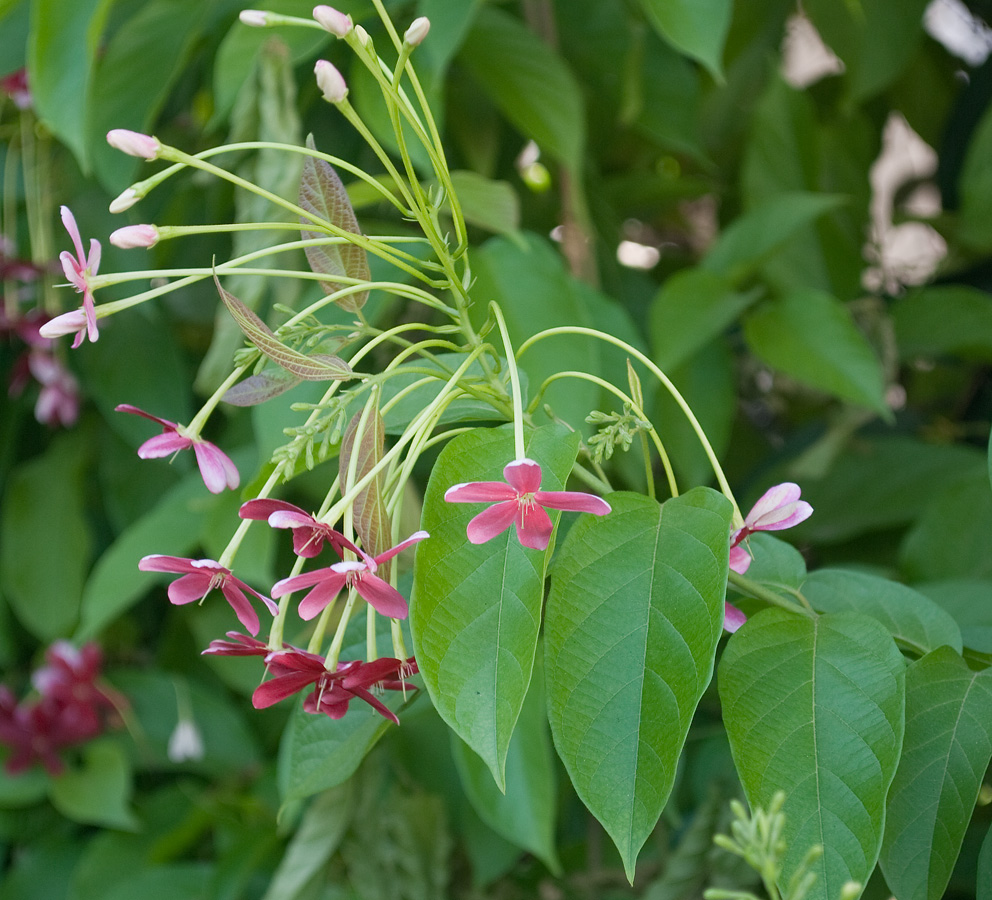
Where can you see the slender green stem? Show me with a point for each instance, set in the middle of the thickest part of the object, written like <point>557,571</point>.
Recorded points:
<point>759,592</point>
<point>511,362</point>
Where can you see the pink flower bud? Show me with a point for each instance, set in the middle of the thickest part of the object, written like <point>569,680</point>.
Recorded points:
<point>330,81</point>
<point>332,20</point>
<point>133,143</point>
<point>257,18</point>
<point>67,323</point>
<point>125,200</point>
<point>135,236</point>
<point>417,31</point>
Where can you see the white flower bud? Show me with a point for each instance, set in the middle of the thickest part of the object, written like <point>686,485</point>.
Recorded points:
<point>124,200</point>
<point>185,742</point>
<point>256,18</point>
<point>330,81</point>
<point>364,38</point>
<point>417,31</point>
<point>133,143</point>
<point>332,20</point>
<point>135,236</point>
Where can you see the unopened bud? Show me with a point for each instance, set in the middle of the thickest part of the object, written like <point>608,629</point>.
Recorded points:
<point>364,38</point>
<point>332,20</point>
<point>133,143</point>
<point>135,236</point>
<point>67,323</point>
<point>417,31</point>
<point>330,81</point>
<point>125,200</point>
<point>185,742</point>
<point>256,18</point>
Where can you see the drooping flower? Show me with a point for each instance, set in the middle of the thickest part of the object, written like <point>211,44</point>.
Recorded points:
<point>200,577</point>
<point>185,742</point>
<point>216,467</point>
<point>778,508</point>
<point>308,533</point>
<point>329,582</point>
<point>295,670</point>
<point>238,645</point>
<point>521,501</point>
<point>78,269</point>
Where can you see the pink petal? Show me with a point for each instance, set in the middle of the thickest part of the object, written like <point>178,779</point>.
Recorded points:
<point>524,475</point>
<point>308,579</point>
<point>128,408</point>
<point>740,560</point>
<point>164,445</point>
<point>533,526</point>
<point>573,501</point>
<point>89,311</point>
<point>242,607</point>
<point>70,265</point>
<point>770,501</point>
<point>157,562</point>
<point>263,507</point>
<point>785,517</point>
<point>491,522</point>
<point>376,704</point>
<point>67,323</point>
<point>480,492</point>
<point>216,467</point>
<point>93,260</point>
<point>315,602</point>
<point>733,618</point>
<point>382,596</point>
<point>69,221</point>
<point>280,688</point>
<point>292,519</point>
<point>402,545</point>
<point>191,588</point>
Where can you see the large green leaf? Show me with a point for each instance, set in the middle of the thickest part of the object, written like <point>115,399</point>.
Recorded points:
<point>811,336</point>
<point>46,542</point>
<point>911,618</point>
<point>476,609</point>
<point>634,615</point>
<point>934,321</point>
<point>696,27</point>
<point>969,602</point>
<point>99,791</point>
<point>946,751</point>
<point>983,890</point>
<point>531,84</point>
<point>525,813</point>
<point>814,707</point>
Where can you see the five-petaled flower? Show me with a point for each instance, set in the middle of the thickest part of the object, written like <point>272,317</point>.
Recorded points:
<point>308,533</point>
<point>216,467</point>
<point>521,501</point>
<point>295,670</point>
<point>200,577</point>
<point>361,575</point>
<point>78,269</point>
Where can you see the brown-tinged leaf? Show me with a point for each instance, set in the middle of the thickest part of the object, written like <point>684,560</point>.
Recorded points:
<point>323,194</point>
<point>258,388</point>
<point>369,508</point>
<point>320,367</point>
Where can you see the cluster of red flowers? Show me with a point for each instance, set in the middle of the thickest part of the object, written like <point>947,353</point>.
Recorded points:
<point>72,706</point>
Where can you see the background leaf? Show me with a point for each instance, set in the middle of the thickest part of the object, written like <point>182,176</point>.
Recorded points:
<point>698,29</point>
<point>476,609</point>
<point>634,615</point>
<point>814,707</point>
<point>946,751</point>
<point>98,792</point>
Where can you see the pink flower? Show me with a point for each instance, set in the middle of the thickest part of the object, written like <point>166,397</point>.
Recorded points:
<point>778,508</point>
<point>78,269</point>
<point>15,86</point>
<point>216,467</point>
<point>308,534</point>
<point>328,583</point>
<point>238,645</point>
<point>522,502</point>
<point>200,577</point>
<point>295,670</point>
<point>58,400</point>
<point>332,20</point>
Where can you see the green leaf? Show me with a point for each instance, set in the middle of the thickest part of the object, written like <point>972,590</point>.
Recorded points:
<point>488,204</point>
<point>315,841</point>
<point>934,321</point>
<point>531,84</point>
<point>450,21</point>
<point>115,584</point>
<point>813,707</point>
<point>525,813</point>
<point>983,891</point>
<point>698,28</point>
<point>46,544</point>
<point>946,751</point>
<point>911,618</point>
<point>811,336</point>
<point>634,615</point>
<point>134,77</point>
<point>753,237</point>
<point>62,48</point>
<point>476,609</point>
<point>322,193</point>
<point>775,562</point>
<point>691,308</point>
<point>99,792</point>
<point>969,601</point>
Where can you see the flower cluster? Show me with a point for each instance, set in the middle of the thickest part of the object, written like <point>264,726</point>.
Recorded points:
<point>72,706</point>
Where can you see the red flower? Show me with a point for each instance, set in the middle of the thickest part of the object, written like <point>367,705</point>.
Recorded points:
<point>239,645</point>
<point>200,577</point>
<point>216,467</point>
<point>308,533</point>
<point>328,583</point>
<point>519,500</point>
